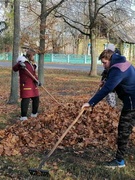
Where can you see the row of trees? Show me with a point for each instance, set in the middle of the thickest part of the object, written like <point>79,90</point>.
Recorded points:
<point>46,24</point>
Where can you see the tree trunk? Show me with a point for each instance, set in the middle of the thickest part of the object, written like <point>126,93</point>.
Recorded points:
<point>93,8</point>
<point>42,42</point>
<point>93,68</point>
<point>16,42</point>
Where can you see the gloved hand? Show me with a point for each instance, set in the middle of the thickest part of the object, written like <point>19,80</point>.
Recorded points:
<point>111,99</point>
<point>39,83</point>
<point>21,59</point>
<point>23,66</point>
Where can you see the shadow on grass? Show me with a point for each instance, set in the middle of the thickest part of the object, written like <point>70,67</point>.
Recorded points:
<point>67,164</point>
<point>87,164</point>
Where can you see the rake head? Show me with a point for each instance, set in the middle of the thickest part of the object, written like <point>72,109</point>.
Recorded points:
<point>39,172</point>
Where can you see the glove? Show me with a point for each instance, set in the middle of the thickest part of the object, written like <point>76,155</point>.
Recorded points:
<point>111,99</point>
<point>21,59</point>
<point>23,66</point>
<point>35,66</point>
<point>39,83</point>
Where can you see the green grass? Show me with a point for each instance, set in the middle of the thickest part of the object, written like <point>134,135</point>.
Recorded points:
<point>66,165</point>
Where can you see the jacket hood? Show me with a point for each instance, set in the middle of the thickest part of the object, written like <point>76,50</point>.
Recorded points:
<point>116,58</point>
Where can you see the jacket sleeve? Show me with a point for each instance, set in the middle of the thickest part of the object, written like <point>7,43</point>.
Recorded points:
<point>16,67</point>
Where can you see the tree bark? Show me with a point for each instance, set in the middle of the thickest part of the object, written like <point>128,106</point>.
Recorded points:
<point>93,8</point>
<point>16,42</point>
<point>42,41</point>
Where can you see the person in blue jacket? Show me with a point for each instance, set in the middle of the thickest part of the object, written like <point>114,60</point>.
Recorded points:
<point>111,97</point>
<point>121,78</point>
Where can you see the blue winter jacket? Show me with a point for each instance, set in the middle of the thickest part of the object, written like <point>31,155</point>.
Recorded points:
<point>121,78</point>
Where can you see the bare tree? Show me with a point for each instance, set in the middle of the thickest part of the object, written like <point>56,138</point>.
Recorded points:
<point>83,17</point>
<point>43,17</point>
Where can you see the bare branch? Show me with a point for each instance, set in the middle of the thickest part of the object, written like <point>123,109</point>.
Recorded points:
<point>53,8</point>
<point>96,13</point>
<point>87,34</point>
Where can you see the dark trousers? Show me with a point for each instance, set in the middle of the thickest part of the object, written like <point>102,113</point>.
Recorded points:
<point>25,104</point>
<point>126,123</point>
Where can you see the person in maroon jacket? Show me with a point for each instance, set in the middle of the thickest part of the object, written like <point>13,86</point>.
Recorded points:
<point>28,86</point>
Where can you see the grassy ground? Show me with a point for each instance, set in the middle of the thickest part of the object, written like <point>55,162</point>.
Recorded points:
<point>64,164</point>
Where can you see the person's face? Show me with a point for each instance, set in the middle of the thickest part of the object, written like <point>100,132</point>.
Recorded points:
<point>31,56</point>
<point>106,63</point>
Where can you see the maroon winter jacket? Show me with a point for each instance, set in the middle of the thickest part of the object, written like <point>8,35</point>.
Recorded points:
<point>28,86</point>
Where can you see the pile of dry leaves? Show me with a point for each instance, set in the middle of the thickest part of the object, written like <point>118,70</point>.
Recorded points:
<point>98,128</point>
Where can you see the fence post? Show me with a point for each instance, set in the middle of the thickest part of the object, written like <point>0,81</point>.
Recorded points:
<point>52,58</point>
<point>68,58</point>
<point>84,59</point>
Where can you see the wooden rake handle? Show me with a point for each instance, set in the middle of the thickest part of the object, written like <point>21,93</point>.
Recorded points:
<point>43,87</point>
<point>61,138</point>
<point>53,98</point>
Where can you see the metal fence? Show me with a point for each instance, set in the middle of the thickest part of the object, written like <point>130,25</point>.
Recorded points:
<point>57,58</point>
<point>6,56</point>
